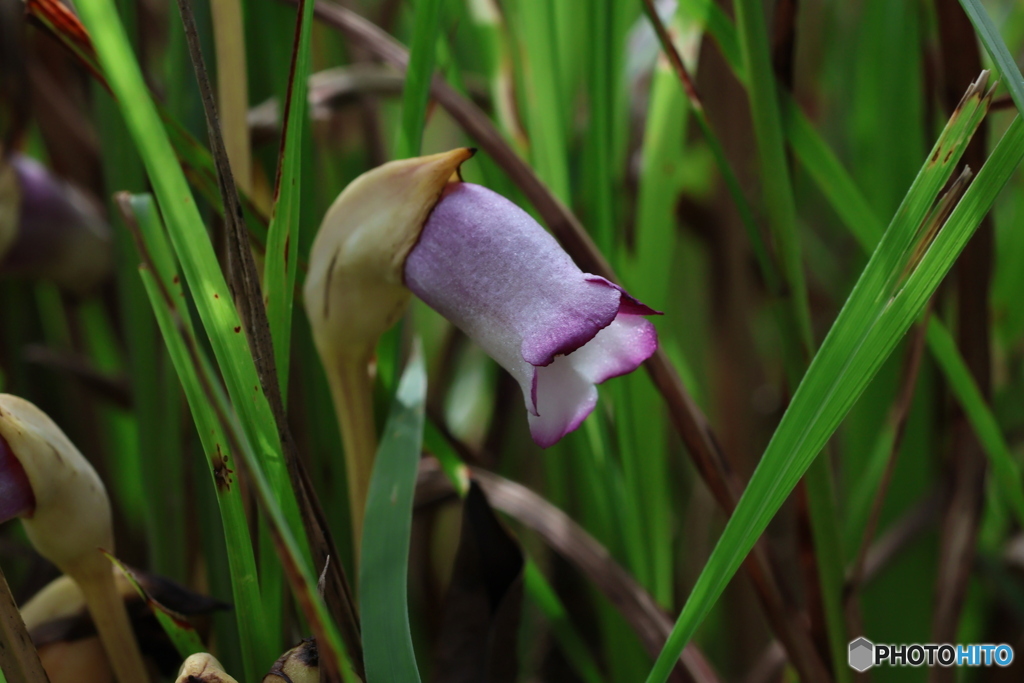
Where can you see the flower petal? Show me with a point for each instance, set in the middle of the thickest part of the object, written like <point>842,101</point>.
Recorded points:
<point>16,497</point>
<point>564,391</point>
<point>564,399</point>
<point>487,266</point>
<point>617,350</point>
<point>493,271</point>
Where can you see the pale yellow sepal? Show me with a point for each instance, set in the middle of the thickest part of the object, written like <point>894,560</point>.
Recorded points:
<point>71,523</point>
<point>354,291</point>
<point>72,515</point>
<point>203,667</point>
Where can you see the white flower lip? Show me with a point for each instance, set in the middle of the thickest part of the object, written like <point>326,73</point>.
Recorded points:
<point>494,272</point>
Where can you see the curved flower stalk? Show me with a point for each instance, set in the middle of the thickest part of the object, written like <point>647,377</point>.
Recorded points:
<point>354,291</point>
<point>49,229</point>
<point>488,267</point>
<point>66,514</point>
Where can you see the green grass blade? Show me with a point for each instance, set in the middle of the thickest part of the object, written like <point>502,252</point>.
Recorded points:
<point>162,283</point>
<point>218,429</point>
<point>856,212</point>
<point>193,247</point>
<point>543,106</point>
<point>599,131</point>
<point>997,49</point>
<point>282,259</point>
<point>181,633</point>
<point>777,187</point>
<point>888,297</point>
<point>1006,472</point>
<point>383,569</point>
<point>780,207</point>
<point>415,95</point>
<point>575,649</point>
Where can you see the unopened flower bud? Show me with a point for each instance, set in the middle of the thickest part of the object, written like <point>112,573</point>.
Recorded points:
<point>70,522</point>
<point>49,229</point>
<point>203,668</point>
<point>71,515</point>
<point>301,664</point>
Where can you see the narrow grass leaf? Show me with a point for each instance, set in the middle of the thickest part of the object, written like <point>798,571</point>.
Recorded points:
<point>283,234</point>
<point>162,284</point>
<point>415,95</point>
<point>193,247</point>
<point>383,583</point>
<point>997,49</point>
<point>218,427</point>
<point>1006,472</point>
<point>181,633</point>
<point>861,220</point>
<point>888,297</point>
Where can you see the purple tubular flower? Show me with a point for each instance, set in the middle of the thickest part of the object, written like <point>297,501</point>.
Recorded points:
<point>493,271</point>
<point>16,496</point>
<point>60,234</point>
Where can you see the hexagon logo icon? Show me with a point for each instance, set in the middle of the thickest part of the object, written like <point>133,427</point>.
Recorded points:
<point>862,654</point>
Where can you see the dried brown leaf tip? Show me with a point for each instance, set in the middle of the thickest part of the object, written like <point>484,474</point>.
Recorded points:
<point>977,91</point>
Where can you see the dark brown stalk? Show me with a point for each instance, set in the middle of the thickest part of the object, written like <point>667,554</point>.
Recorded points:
<point>14,77</point>
<point>961,60</point>
<point>784,42</point>
<point>687,418</point>
<point>883,551</point>
<point>898,418</point>
<point>651,624</point>
<point>245,284</point>
<point>18,657</point>
<point>901,533</point>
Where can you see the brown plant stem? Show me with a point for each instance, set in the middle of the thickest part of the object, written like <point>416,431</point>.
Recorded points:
<point>961,60</point>
<point>18,657</point>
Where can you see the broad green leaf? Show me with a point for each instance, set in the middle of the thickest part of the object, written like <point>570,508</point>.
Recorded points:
<point>387,527</point>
